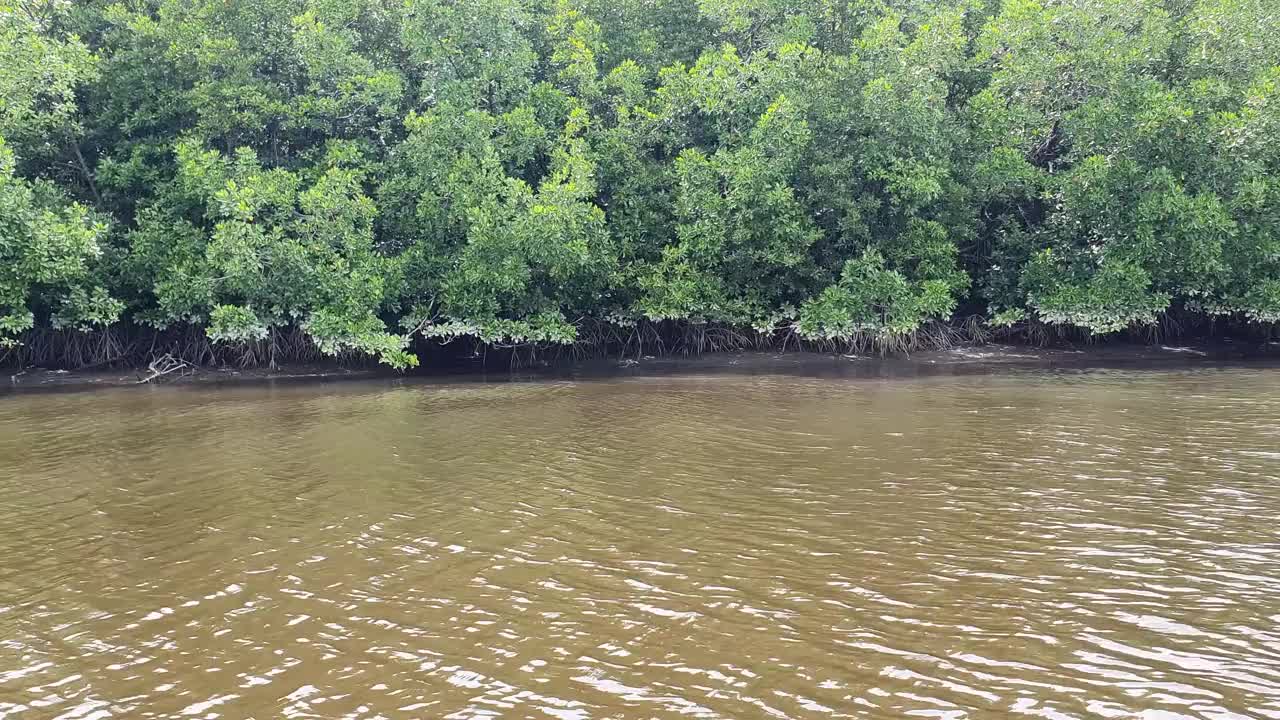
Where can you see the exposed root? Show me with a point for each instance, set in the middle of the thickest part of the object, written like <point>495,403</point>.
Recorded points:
<point>134,346</point>
<point>165,365</point>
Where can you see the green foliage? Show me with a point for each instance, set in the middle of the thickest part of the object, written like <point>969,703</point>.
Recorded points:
<point>869,298</point>
<point>1115,295</point>
<point>230,323</point>
<point>46,248</point>
<point>40,70</point>
<point>363,171</point>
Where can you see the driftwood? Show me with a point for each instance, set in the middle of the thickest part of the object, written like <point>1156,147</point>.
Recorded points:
<point>165,365</point>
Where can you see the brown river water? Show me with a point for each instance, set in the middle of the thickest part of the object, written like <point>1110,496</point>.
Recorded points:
<point>1036,543</point>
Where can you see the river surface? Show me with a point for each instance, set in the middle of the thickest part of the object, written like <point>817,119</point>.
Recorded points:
<point>1050,544</point>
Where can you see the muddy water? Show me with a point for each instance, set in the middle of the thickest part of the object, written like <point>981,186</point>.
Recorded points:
<point>1040,544</point>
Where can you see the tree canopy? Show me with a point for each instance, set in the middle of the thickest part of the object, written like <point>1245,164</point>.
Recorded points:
<point>363,171</point>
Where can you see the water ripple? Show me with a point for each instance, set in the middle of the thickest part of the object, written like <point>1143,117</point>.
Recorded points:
<point>1050,545</point>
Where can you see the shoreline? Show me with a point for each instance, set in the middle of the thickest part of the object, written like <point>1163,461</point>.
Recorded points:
<point>35,380</point>
<point>969,360</point>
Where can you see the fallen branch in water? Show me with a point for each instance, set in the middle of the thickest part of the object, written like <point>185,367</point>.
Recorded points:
<point>164,365</point>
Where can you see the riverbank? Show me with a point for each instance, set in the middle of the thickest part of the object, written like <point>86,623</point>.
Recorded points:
<point>955,361</point>
<point>39,379</point>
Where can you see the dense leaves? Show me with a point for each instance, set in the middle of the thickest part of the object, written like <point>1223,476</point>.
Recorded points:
<point>363,171</point>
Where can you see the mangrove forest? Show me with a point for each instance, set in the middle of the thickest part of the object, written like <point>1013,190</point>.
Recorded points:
<point>255,180</point>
